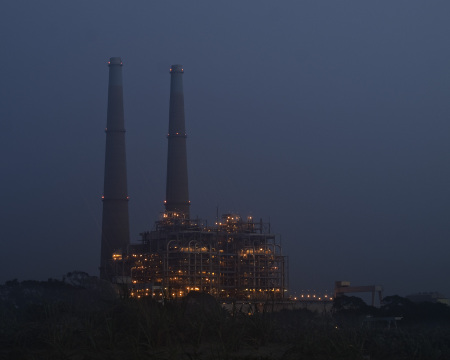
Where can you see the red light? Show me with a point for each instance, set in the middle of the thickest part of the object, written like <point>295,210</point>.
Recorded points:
<point>103,196</point>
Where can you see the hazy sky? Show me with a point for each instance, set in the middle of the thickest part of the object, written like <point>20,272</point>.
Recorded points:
<point>330,118</point>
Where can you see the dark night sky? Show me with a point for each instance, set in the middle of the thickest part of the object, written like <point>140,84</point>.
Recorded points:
<point>330,118</point>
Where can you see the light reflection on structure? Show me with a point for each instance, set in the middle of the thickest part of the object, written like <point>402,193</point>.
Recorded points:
<point>234,259</point>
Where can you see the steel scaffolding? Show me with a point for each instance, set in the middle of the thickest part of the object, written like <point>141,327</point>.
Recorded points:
<point>234,259</point>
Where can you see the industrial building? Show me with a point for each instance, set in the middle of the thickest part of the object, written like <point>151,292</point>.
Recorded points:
<point>235,258</point>
<point>432,297</point>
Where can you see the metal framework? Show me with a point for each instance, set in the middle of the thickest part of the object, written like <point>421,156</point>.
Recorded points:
<point>343,287</point>
<point>234,259</point>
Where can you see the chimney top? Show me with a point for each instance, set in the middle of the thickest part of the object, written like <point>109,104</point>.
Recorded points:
<point>176,68</point>
<point>115,61</point>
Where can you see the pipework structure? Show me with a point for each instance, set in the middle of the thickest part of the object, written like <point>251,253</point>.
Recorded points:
<point>177,192</point>
<point>115,222</point>
<point>234,259</point>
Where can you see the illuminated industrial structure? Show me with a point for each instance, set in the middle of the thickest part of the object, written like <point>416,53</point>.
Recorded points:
<point>234,259</point>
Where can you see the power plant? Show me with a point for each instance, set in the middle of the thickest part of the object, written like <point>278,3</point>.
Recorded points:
<point>235,258</point>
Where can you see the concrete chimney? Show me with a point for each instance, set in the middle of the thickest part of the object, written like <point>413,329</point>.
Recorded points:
<point>177,193</point>
<point>115,224</point>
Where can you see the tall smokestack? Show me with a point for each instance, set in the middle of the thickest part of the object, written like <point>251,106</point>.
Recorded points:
<point>115,225</point>
<point>177,193</point>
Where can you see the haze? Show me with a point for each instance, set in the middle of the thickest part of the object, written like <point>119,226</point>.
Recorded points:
<point>328,118</point>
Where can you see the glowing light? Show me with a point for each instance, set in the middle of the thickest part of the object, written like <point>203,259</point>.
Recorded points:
<point>117,256</point>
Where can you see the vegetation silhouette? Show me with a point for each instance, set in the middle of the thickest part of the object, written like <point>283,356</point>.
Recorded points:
<point>82,317</point>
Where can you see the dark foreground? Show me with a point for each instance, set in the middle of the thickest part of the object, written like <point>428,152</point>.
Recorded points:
<point>81,318</point>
